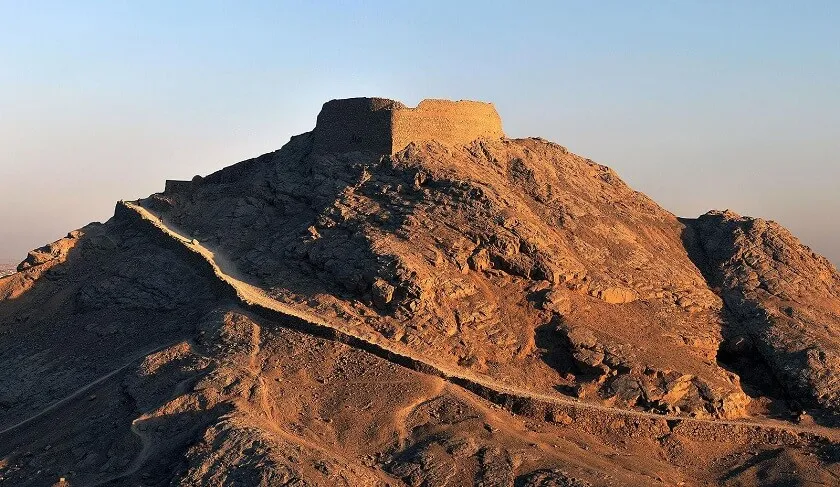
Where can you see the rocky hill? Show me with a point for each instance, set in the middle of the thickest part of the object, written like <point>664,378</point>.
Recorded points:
<point>406,297</point>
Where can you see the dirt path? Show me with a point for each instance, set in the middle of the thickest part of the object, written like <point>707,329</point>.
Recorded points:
<point>253,356</point>
<point>401,415</point>
<point>146,447</point>
<point>255,299</point>
<point>78,392</point>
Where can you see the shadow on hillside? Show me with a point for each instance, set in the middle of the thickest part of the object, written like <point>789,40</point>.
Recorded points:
<point>301,224</point>
<point>556,353</point>
<point>90,439</point>
<point>118,293</point>
<point>737,352</point>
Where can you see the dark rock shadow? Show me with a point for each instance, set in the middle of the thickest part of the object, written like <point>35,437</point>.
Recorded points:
<point>117,294</point>
<point>167,463</point>
<point>549,477</point>
<point>556,352</point>
<point>765,456</point>
<point>283,219</point>
<point>90,440</point>
<point>737,352</point>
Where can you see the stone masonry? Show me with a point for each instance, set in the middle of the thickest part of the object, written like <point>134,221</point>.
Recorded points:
<point>387,126</point>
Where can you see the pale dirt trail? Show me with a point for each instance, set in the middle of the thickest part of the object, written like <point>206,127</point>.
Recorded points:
<point>78,392</point>
<point>401,415</point>
<point>146,445</point>
<point>254,297</point>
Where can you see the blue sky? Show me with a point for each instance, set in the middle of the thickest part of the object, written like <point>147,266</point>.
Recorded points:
<point>698,104</point>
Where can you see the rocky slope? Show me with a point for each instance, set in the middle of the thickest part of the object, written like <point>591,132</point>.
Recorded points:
<point>6,269</point>
<point>531,318</point>
<point>512,257</point>
<point>784,299</point>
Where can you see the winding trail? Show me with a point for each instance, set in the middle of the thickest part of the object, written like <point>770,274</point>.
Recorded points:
<point>146,444</point>
<point>402,414</point>
<point>513,398</point>
<point>78,392</point>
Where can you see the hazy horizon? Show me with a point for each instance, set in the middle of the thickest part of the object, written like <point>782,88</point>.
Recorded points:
<point>701,107</point>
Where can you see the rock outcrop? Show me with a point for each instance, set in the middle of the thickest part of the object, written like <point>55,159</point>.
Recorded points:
<point>785,298</point>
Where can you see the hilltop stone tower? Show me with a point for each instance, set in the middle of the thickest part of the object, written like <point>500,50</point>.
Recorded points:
<point>384,126</point>
<point>387,126</point>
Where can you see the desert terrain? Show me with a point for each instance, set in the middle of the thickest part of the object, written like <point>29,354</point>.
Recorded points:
<point>407,297</point>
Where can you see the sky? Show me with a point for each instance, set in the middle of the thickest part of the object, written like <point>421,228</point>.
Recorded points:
<point>700,105</point>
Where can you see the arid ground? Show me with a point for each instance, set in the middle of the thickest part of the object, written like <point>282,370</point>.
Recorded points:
<point>406,297</point>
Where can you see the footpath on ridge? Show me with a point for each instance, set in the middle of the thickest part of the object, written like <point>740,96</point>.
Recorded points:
<point>592,418</point>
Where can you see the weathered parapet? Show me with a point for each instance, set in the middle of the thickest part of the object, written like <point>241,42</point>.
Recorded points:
<point>177,186</point>
<point>448,122</point>
<point>354,124</point>
<point>386,126</point>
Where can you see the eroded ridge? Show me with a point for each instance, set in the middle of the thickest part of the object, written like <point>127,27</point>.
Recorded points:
<point>592,418</point>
